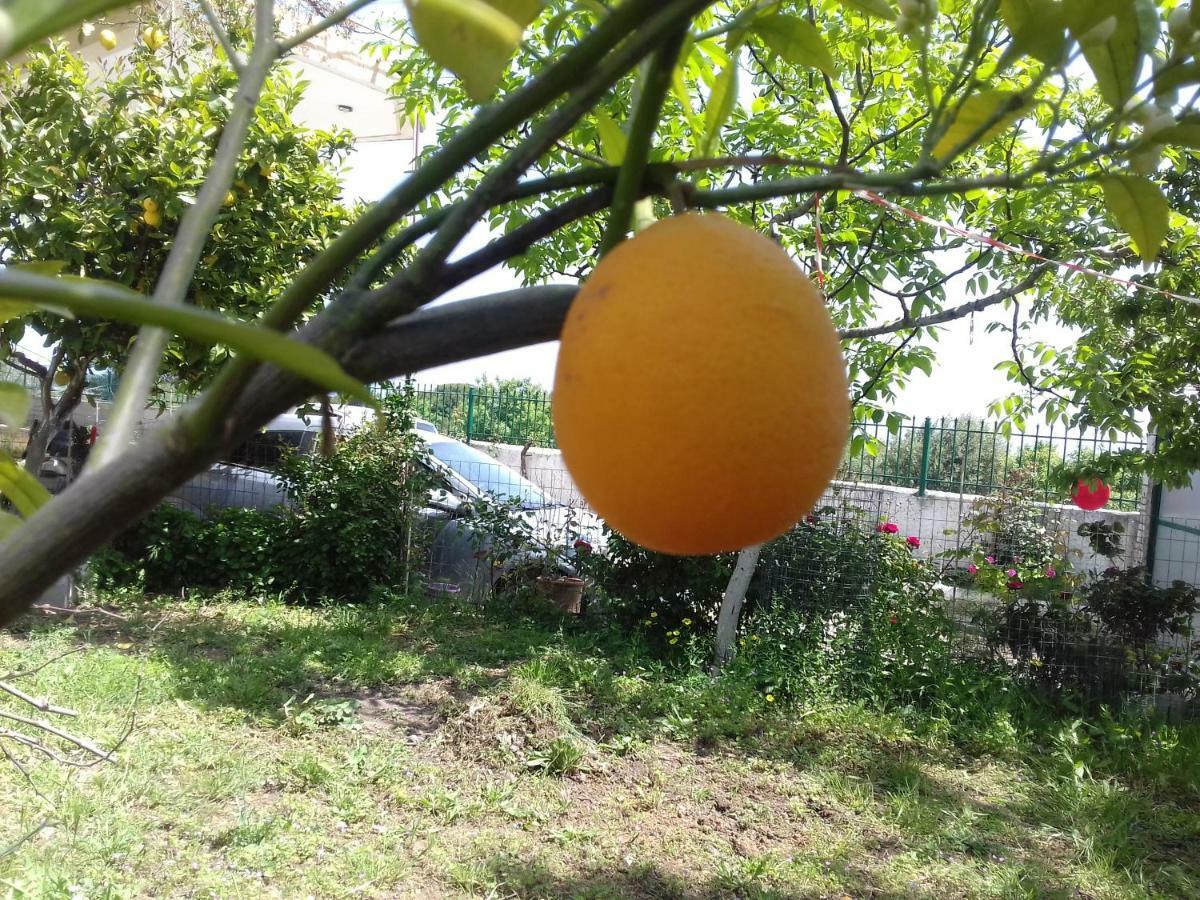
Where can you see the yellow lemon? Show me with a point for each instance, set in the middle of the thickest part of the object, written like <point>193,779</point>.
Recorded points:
<point>108,40</point>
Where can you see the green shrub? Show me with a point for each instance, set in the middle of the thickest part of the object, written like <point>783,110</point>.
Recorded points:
<point>656,593</point>
<point>843,608</point>
<point>349,528</point>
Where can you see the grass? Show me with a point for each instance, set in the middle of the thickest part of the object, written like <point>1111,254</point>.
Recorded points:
<point>425,751</point>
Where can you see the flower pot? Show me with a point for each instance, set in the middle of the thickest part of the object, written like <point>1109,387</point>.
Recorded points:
<point>563,591</point>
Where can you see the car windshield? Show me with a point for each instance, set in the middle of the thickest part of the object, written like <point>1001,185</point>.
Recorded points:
<point>488,475</point>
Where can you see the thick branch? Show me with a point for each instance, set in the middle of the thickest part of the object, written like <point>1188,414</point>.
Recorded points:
<point>463,330</point>
<point>948,315</point>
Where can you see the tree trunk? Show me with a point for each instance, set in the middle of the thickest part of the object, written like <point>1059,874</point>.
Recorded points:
<point>731,604</point>
<point>53,415</point>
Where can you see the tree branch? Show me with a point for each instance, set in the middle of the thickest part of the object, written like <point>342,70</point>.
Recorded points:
<point>641,139</point>
<point>463,330</point>
<point>214,22</point>
<point>180,267</point>
<point>948,315</point>
<point>335,18</point>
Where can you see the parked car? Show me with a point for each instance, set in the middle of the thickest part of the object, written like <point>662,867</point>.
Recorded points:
<point>463,560</point>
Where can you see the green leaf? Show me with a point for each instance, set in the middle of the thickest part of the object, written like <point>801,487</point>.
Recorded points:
<point>1038,29</point>
<point>1115,36</point>
<point>880,9</point>
<point>474,39</point>
<point>613,141</point>
<point>1140,210</point>
<point>29,21</point>
<point>104,300</point>
<point>26,492</point>
<point>720,107</point>
<point>796,41</point>
<point>981,118</point>
<point>8,524</point>
<point>14,404</point>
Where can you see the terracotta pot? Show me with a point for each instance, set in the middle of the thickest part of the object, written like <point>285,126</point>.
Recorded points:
<point>563,591</point>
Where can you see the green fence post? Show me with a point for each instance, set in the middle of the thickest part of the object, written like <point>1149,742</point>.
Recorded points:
<point>926,435</point>
<point>470,412</point>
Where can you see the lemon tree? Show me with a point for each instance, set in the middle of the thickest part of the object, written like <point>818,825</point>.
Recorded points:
<point>95,175</point>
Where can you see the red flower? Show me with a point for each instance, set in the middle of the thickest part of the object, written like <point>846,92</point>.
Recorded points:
<point>1091,495</point>
<point>887,528</point>
<point>1016,584</point>
<point>913,541</point>
<point>810,519</point>
<point>893,620</point>
<point>583,546</point>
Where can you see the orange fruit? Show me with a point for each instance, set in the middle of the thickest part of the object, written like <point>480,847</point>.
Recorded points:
<point>700,399</point>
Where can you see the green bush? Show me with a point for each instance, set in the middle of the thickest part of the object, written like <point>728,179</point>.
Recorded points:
<point>844,608</point>
<point>350,527</point>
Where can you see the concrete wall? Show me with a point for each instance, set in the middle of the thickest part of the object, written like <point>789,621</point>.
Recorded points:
<point>935,518</point>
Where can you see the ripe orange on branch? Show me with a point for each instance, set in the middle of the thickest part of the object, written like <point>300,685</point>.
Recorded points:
<point>700,400</point>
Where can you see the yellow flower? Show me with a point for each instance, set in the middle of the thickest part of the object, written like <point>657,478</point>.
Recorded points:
<point>673,641</point>
<point>754,637</point>
<point>741,642</point>
<point>770,698</point>
<point>687,621</point>
<point>654,615</point>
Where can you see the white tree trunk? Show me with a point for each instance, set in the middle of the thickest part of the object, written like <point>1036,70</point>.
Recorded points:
<point>731,604</point>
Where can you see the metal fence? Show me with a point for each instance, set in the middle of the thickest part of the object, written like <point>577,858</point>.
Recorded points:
<point>974,456</point>
<point>957,455</point>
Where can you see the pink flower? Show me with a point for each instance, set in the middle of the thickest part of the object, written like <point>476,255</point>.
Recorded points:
<point>990,560</point>
<point>1050,573</point>
<point>913,541</point>
<point>893,620</point>
<point>972,568</point>
<point>891,528</point>
<point>1011,573</point>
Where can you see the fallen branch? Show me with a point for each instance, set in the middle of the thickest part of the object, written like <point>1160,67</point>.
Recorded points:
<point>38,703</point>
